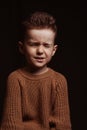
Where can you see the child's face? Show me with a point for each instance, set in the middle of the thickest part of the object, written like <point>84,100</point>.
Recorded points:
<point>38,47</point>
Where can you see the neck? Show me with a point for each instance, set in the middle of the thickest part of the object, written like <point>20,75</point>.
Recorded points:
<point>36,71</point>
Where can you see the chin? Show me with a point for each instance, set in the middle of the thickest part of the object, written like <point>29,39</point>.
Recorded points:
<point>39,66</point>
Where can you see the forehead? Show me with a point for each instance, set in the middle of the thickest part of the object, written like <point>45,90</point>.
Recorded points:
<point>41,34</point>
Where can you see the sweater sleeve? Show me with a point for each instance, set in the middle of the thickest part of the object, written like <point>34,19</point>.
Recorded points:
<point>60,118</point>
<point>12,114</point>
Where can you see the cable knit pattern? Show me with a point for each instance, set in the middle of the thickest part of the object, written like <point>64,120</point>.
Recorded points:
<point>36,102</point>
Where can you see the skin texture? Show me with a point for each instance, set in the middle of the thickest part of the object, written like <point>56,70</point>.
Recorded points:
<point>38,48</point>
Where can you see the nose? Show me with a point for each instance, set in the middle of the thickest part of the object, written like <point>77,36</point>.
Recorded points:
<point>40,49</point>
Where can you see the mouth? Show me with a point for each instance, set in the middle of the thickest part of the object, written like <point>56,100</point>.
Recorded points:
<point>39,59</point>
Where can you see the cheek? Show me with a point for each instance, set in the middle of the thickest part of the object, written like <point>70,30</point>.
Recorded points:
<point>49,53</point>
<point>29,51</point>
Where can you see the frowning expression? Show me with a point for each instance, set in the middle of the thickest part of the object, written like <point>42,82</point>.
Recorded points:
<point>38,47</point>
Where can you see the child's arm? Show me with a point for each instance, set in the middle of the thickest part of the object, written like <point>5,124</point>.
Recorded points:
<point>12,114</point>
<point>61,114</point>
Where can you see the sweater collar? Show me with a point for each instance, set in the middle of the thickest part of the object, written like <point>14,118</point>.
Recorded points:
<point>28,75</point>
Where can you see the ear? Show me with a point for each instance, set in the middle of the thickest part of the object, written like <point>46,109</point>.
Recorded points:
<point>21,47</point>
<point>54,49</point>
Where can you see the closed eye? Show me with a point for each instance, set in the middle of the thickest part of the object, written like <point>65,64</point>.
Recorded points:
<point>47,45</point>
<point>36,44</point>
<point>33,44</point>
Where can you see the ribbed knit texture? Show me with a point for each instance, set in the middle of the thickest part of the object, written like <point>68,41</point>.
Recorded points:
<point>36,102</point>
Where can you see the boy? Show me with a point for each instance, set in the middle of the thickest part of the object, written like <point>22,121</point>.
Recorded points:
<point>37,97</point>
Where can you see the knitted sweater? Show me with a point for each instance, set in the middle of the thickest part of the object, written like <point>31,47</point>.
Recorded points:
<point>36,102</point>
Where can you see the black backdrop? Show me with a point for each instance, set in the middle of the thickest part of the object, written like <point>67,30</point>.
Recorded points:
<point>70,58</point>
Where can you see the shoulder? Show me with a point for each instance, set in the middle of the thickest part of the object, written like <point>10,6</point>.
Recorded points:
<point>13,75</point>
<point>58,76</point>
<point>59,79</point>
<point>13,82</point>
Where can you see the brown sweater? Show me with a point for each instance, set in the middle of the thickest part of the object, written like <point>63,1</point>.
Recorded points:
<point>36,102</point>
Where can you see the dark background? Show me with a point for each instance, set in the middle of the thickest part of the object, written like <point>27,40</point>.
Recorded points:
<point>70,58</point>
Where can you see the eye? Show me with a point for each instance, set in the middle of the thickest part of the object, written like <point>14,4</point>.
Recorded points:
<point>47,45</point>
<point>33,44</point>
